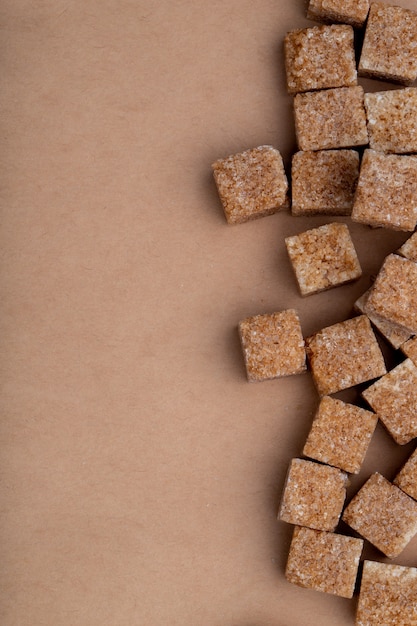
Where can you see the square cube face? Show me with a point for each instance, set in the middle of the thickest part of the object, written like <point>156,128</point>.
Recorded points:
<point>389,47</point>
<point>387,595</point>
<point>344,355</point>
<point>394,398</point>
<point>386,194</point>
<point>323,258</point>
<point>251,184</point>
<point>409,248</point>
<point>319,58</point>
<point>323,561</point>
<point>392,120</point>
<point>406,479</point>
<point>394,294</point>
<point>353,12</point>
<point>313,496</point>
<point>340,434</point>
<point>324,182</point>
<point>394,334</point>
<point>332,118</point>
<point>383,514</point>
<point>273,345</point>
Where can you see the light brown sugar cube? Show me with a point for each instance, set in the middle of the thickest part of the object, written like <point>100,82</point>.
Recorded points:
<point>340,434</point>
<point>406,479</point>
<point>386,194</point>
<point>324,181</point>
<point>323,561</point>
<point>392,120</point>
<point>389,46</point>
<point>313,496</point>
<point>387,595</point>
<point>320,57</point>
<point>273,345</point>
<point>251,184</point>
<point>394,398</point>
<point>353,12</point>
<point>343,355</point>
<point>394,294</point>
<point>409,248</point>
<point>383,514</point>
<point>394,334</point>
<point>332,118</point>
<point>410,349</point>
<point>323,258</point>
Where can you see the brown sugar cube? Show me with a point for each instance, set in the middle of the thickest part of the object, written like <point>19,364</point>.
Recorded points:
<point>394,334</point>
<point>353,12</point>
<point>387,595</point>
<point>410,349</point>
<point>406,479</point>
<point>324,182</point>
<point>313,496</point>
<point>389,46</point>
<point>392,120</point>
<point>386,191</point>
<point>343,355</point>
<point>394,398</point>
<point>409,248</point>
<point>332,118</point>
<point>323,258</point>
<point>323,561</point>
<point>251,184</point>
<point>273,345</point>
<point>320,57</point>
<point>383,514</point>
<point>340,434</point>
<point>394,294</point>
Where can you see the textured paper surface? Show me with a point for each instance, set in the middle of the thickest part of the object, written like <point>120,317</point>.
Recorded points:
<point>140,472</point>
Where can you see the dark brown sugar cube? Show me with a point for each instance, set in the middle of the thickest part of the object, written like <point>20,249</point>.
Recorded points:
<point>324,181</point>
<point>332,118</point>
<point>383,514</point>
<point>394,334</point>
<point>323,561</point>
<point>313,496</point>
<point>340,434</point>
<point>251,184</point>
<point>392,120</point>
<point>406,479</point>
<point>386,194</point>
<point>273,345</point>
<point>389,46</point>
<point>320,57</point>
<point>409,248</point>
<point>323,258</point>
<point>394,294</point>
<point>353,12</point>
<point>343,355</point>
<point>387,595</point>
<point>394,399</point>
<point>409,348</point>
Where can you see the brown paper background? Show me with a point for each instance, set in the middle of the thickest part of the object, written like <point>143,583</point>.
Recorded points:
<point>140,472</point>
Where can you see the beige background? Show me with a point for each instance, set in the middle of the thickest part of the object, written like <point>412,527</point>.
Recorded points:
<point>140,472</point>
